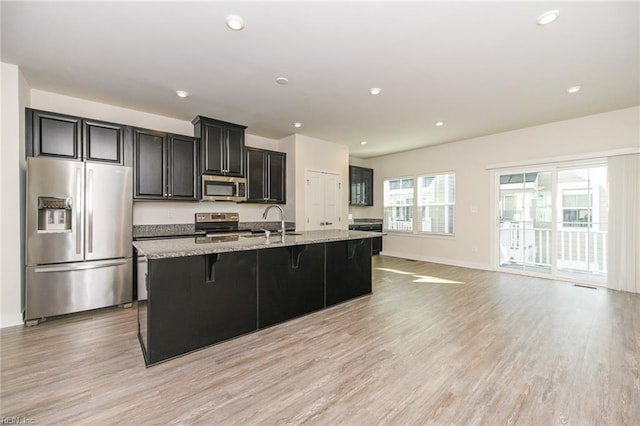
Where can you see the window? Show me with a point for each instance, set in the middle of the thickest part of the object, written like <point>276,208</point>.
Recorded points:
<point>398,204</point>
<point>576,208</point>
<point>436,202</point>
<point>431,196</point>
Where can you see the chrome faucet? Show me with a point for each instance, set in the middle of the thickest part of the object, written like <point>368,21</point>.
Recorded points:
<point>283,227</point>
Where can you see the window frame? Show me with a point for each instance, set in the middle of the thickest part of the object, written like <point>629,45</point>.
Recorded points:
<point>416,217</point>
<point>451,205</point>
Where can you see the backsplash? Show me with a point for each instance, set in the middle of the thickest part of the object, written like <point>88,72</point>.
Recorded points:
<point>169,212</point>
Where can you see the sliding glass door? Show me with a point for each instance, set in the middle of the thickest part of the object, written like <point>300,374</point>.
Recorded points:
<point>582,222</point>
<point>553,221</point>
<point>526,218</point>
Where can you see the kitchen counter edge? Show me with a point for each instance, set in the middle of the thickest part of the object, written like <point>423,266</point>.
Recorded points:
<point>183,247</point>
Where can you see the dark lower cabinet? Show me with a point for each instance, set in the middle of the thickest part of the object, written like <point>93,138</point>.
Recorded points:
<point>376,245</point>
<point>349,273</point>
<point>290,282</point>
<point>196,301</point>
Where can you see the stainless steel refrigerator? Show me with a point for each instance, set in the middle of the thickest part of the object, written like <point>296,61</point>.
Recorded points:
<point>78,237</point>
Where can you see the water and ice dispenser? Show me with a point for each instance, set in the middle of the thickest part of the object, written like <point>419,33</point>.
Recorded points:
<point>54,214</point>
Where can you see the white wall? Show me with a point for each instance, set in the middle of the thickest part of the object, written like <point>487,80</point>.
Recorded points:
<point>56,102</point>
<point>15,96</point>
<point>469,158</point>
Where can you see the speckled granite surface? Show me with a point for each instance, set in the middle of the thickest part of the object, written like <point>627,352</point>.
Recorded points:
<point>150,231</point>
<point>186,229</point>
<point>366,221</point>
<point>181,247</point>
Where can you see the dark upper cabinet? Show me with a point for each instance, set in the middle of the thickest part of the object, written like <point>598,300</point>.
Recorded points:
<point>165,166</point>
<point>106,142</point>
<point>65,136</point>
<point>54,135</point>
<point>222,146</point>
<point>149,164</point>
<point>266,173</point>
<point>360,186</point>
<point>182,179</point>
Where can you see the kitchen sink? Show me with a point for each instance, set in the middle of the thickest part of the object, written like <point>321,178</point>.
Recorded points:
<point>273,234</point>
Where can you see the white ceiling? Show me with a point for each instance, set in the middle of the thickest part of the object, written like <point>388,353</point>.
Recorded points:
<point>481,67</point>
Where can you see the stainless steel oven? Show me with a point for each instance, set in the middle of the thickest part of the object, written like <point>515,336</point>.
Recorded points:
<point>224,188</point>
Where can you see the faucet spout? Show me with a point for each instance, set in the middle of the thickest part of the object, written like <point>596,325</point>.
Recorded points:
<point>282,225</point>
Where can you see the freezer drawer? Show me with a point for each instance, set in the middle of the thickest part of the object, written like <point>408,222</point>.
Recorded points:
<point>74,287</point>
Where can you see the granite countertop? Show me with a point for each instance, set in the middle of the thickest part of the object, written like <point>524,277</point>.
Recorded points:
<point>193,246</point>
<point>366,222</point>
<point>189,229</point>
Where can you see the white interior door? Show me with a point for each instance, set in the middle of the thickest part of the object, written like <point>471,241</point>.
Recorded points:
<point>332,201</point>
<point>323,201</point>
<point>315,201</point>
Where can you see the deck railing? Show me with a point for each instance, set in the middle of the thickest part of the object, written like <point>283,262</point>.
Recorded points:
<point>578,249</point>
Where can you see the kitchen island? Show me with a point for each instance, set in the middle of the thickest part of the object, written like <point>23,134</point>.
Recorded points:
<point>204,290</point>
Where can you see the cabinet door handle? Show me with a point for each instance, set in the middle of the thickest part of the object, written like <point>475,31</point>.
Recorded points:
<point>329,223</point>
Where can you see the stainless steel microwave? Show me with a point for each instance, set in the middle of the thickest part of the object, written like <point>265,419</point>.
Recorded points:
<point>224,188</point>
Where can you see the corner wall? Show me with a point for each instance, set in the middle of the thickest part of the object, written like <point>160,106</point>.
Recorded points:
<point>469,158</point>
<point>15,96</point>
<point>323,156</point>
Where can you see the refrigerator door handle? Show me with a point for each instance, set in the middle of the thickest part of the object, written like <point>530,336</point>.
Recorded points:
<point>78,208</point>
<point>90,211</point>
<point>89,265</point>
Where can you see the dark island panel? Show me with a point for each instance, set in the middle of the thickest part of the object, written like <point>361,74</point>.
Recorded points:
<point>196,301</point>
<point>290,282</point>
<point>349,274</point>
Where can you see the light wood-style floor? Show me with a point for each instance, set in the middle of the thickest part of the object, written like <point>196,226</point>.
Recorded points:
<point>434,344</point>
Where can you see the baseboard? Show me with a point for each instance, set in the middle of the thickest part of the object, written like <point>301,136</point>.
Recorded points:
<point>10,320</point>
<point>450,262</point>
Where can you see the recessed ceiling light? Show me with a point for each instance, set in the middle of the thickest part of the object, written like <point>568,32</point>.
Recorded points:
<point>440,123</point>
<point>235,22</point>
<point>363,142</point>
<point>182,93</point>
<point>548,17</point>
<point>375,90</point>
<point>574,89</point>
<point>297,124</point>
<point>282,80</point>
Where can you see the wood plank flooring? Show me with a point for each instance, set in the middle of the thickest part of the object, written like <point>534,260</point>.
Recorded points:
<point>434,344</point>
